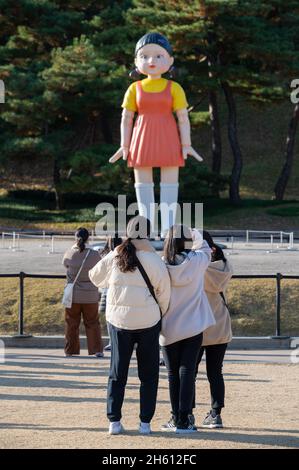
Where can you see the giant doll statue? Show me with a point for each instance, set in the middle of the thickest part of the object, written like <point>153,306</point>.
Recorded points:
<point>157,140</point>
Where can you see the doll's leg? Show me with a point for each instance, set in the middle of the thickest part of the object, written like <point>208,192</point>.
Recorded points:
<point>144,188</point>
<point>168,197</point>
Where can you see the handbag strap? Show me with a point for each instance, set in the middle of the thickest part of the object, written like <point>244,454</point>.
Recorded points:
<point>79,272</point>
<point>223,298</point>
<point>148,282</point>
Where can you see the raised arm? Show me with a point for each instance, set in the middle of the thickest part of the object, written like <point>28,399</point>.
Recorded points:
<point>99,274</point>
<point>185,133</point>
<point>125,134</point>
<point>162,287</point>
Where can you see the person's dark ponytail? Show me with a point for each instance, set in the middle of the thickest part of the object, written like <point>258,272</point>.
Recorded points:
<point>82,236</point>
<point>81,244</point>
<point>217,253</point>
<point>126,258</point>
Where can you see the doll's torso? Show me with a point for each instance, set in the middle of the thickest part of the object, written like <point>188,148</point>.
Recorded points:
<point>157,102</point>
<point>155,86</point>
<point>155,140</point>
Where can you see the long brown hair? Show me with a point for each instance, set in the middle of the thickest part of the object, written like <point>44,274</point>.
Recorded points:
<point>138,228</point>
<point>175,242</point>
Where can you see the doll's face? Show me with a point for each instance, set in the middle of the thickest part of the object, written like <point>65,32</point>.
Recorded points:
<point>153,60</point>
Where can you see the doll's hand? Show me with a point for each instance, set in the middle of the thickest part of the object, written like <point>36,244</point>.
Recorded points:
<point>122,152</point>
<point>188,150</point>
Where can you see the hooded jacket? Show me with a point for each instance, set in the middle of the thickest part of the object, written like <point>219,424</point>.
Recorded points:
<point>129,303</point>
<point>189,312</point>
<point>217,277</point>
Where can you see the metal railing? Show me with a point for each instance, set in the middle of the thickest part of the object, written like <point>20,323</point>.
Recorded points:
<point>278,277</point>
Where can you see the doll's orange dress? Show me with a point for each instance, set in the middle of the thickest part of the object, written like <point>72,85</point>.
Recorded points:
<point>155,139</point>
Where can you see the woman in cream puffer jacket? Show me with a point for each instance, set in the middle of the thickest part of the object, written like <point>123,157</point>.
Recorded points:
<point>134,318</point>
<point>129,304</point>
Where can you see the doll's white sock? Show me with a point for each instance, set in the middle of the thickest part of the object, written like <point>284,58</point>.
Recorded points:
<point>168,205</point>
<point>146,201</point>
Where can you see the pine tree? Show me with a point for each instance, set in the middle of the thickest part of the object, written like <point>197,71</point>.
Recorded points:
<point>63,84</point>
<point>245,46</point>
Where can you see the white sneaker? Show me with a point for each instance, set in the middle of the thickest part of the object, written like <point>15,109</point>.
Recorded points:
<point>116,428</point>
<point>145,428</point>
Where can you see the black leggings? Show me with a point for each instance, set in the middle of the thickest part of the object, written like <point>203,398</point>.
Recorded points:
<point>181,359</point>
<point>147,354</point>
<point>214,362</point>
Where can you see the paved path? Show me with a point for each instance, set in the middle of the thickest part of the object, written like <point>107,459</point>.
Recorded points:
<point>254,259</point>
<point>49,401</point>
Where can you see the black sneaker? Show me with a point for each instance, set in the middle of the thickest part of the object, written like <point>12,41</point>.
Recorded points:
<point>170,426</point>
<point>188,427</point>
<point>191,419</point>
<point>212,423</point>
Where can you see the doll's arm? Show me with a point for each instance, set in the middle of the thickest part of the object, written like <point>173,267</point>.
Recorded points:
<point>185,132</point>
<point>125,135</point>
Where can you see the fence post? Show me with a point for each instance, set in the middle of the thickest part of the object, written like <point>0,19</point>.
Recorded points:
<point>279,277</point>
<point>21,307</point>
<point>278,293</point>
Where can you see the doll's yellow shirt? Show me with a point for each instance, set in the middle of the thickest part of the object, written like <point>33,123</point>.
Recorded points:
<point>155,86</point>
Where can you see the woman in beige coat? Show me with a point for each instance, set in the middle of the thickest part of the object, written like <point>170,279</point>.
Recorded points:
<point>216,337</point>
<point>134,317</point>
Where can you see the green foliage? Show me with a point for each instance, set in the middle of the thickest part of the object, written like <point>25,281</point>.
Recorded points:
<point>200,119</point>
<point>288,211</point>
<point>65,67</point>
<point>197,182</point>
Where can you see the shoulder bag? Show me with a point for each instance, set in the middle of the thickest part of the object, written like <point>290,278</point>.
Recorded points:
<point>67,298</point>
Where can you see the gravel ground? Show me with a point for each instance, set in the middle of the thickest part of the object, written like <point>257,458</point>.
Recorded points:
<point>52,402</point>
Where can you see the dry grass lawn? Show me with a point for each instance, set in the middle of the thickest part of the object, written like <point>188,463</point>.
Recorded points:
<point>251,302</point>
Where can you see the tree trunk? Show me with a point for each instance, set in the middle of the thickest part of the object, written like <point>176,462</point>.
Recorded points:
<point>106,129</point>
<point>214,117</point>
<point>285,174</point>
<point>234,193</point>
<point>59,203</point>
<point>216,134</point>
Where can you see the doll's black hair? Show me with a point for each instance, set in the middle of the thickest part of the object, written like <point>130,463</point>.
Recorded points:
<point>153,38</point>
